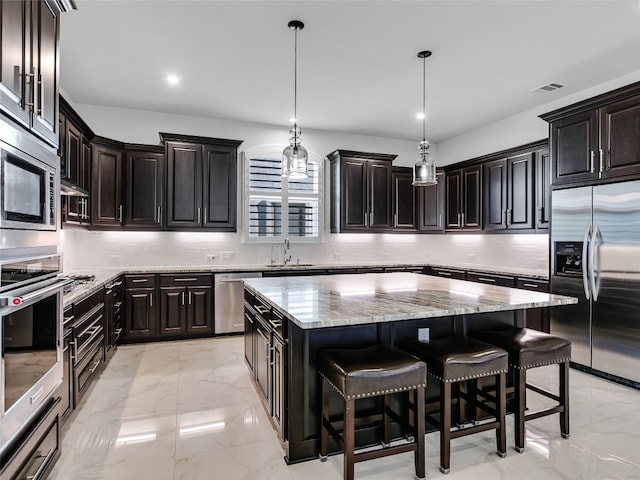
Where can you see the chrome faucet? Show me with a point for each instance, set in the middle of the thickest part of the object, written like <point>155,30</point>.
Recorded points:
<point>286,252</point>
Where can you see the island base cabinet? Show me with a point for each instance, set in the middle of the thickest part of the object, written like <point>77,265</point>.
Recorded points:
<point>261,365</point>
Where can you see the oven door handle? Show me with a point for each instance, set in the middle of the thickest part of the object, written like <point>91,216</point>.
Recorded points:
<point>41,292</point>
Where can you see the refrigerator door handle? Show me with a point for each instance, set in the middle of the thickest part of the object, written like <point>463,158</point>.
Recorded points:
<point>585,274</point>
<point>596,241</point>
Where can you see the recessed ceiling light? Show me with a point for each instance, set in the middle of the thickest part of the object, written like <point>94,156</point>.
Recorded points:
<point>420,115</point>
<point>293,119</point>
<point>173,79</point>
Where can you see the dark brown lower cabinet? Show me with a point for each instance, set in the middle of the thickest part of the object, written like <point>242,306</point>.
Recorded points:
<point>172,311</point>
<point>186,304</point>
<point>537,318</point>
<point>249,334</point>
<point>140,314</point>
<point>200,309</point>
<point>261,365</point>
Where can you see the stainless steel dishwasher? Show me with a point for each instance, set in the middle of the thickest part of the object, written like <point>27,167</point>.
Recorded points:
<point>229,301</point>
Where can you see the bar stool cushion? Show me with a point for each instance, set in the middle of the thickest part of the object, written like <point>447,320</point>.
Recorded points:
<point>371,371</point>
<point>454,359</point>
<point>528,348</point>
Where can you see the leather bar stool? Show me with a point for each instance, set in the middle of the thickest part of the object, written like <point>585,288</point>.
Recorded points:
<point>527,349</point>
<point>370,372</point>
<point>455,360</point>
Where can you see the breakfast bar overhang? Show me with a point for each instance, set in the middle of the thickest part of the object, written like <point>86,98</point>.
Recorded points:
<point>289,319</point>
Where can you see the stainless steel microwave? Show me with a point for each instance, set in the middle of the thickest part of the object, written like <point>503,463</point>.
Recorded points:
<point>30,188</point>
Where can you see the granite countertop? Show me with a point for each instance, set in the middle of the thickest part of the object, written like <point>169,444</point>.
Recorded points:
<point>340,300</point>
<point>106,276</point>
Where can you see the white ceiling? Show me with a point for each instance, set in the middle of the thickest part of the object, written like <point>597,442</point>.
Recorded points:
<point>358,69</point>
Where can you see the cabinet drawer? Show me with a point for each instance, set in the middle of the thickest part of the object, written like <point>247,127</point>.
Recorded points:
<point>533,284</point>
<point>133,281</point>
<point>36,455</point>
<point>181,280</point>
<point>263,309</point>
<point>447,273</point>
<point>86,370</point>
<point>491,279</point>
<point>88,303</point>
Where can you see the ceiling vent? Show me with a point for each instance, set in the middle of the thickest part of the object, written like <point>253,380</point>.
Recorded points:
<point>548,87</point>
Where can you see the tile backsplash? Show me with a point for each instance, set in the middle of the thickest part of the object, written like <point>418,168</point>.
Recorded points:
<point>85,250</point>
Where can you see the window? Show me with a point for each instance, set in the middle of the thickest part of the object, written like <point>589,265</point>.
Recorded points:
<point>275,207</point>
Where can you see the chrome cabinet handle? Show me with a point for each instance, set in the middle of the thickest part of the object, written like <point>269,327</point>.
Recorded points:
<point>371,219</point>
<point>503,218</point>
<point>509,216</point>
<point>158,210</point>
<point>40,108</point>
<point>595,237</point>
<point>183,298</point>
<point>530,285</point>
<point>140,280</point>
<point>601,163</point>
<point>95,366</point>
<point>540,211</point>
<point>484,279</point>
<point>262,310</point>
<point>120,213</point>
<point>444,274</point>
<point>204,218</point>
<point>593,154</point>
<point>189,279</point>
<point>151,299</point>
<point>462,224</point>
<point>199,215</point>
<point>439,220</point>
<point>395,219</point>
<point>189,297</point>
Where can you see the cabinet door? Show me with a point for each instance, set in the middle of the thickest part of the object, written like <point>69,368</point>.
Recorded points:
<point>431,206</point>
<point>199,310</point>
<point>453,198</point>
<point>184,192</point>
<point>620,143</point>
<point>73,155</point>
<point>520,178</point>
<point>379,195</point>
<point>144,182</point>
<point>173,309</point>
<point>219,193</point>
<point>495,194</point>
<point>354,195</point>
<point>543,189</point>
<point>106,186</point>
<point>574,143</point>
<point>472,198</point>
<point>261,364</point>
<point>15,84</point>
<point>404,200</point>
<point>140,316</point>
<point>84,180</point>
<point>46,50</point>
<point>279,388</point>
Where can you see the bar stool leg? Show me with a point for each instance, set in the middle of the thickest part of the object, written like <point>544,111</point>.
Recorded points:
<point>501,410</point>
<point>387,420</point>
<point>418,414</point>
<point>324,432</point>
<point>445,426</point>
<point>520,375</point>
<point>349,439</point>
<point>564,399</point>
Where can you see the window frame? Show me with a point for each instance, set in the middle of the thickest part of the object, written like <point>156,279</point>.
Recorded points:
<point>275,152</point>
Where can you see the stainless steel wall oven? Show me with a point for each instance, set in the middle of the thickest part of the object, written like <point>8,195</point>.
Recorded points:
<point>31,340</point>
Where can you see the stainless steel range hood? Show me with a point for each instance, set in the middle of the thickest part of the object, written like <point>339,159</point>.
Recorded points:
<point>72,190</point>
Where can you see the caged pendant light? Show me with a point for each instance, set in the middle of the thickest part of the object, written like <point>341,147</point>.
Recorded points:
<point>424,170</point>
<point>295,156</point>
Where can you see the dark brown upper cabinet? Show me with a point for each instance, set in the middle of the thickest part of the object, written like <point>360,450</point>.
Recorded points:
<point>543,189</point>
<point>596,140</point>
<point>30,65</point>
<point>201,182</point>
<point>463,196</point>
<point>431,206</point>
<point>107,208</point>
<point>361,191</point>
<point>508,193</point>
<point>143,187</point>
<point>404,199</point>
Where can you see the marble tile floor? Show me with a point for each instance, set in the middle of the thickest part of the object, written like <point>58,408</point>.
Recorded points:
<point>187,410</point>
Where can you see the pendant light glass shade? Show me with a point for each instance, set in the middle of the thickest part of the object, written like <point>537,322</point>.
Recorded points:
<point>424,170</point>
<point>295,157</point>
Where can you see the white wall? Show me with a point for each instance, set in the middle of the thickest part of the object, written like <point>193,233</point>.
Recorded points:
<point>519,129</point>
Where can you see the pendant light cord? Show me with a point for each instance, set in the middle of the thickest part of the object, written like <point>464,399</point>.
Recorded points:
<point>424,99</point>
<point>295,76</point>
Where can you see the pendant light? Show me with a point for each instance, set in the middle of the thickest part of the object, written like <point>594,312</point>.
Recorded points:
<point>424,170</point>
<point>295,156</point>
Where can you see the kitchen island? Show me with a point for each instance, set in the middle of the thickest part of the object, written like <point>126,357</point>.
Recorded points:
<point>289,319</point>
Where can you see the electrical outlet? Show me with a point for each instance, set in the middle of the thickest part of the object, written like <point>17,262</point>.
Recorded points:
<point>227,256</point>
<point>210,256</point>
<point>423,335</point>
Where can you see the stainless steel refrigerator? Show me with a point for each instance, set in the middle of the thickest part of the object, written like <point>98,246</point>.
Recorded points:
<point>595,256</point>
